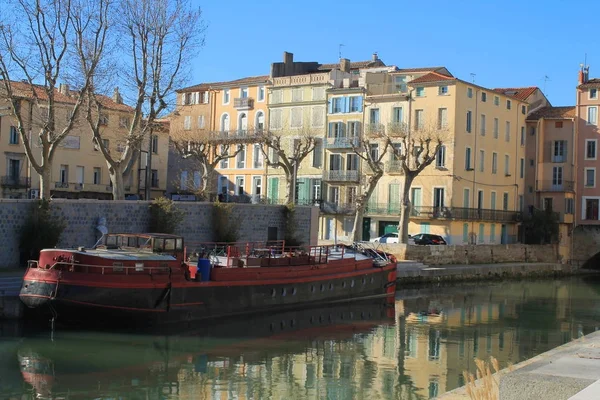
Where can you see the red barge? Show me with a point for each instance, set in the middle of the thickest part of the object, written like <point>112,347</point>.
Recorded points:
<point>143,279</point>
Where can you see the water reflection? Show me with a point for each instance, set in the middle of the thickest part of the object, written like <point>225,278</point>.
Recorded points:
<point>415,350</point>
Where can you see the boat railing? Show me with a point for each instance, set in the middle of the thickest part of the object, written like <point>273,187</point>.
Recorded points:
<point>263,254</point>
<point>117,267</point>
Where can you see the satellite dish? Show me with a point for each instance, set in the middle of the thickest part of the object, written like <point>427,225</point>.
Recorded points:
<point>102,229</point>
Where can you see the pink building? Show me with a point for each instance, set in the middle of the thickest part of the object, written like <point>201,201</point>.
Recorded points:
<point>586,151</point>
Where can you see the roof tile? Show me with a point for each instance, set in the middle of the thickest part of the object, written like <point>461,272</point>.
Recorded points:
<point>518,93</point>
<point>242,81</point>
<point>432,77</point>
<point>566,112</point>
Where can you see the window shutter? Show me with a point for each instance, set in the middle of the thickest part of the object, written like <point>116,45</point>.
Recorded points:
<point>318,153</point>
<point>330,131</point>
<point>548,151</point>
<point>183,99</point>
<point>342,129</point>
<point>565,152</point>
<point>330,106</point>
<point>360,103</point>
<point>346,103</point>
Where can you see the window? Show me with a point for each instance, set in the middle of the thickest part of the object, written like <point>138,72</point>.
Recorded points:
<point>397,115</point>
<point>260,93</point>
<point>523,110</point>
<point>483,97</point>
<point>241,157</point>
<point>493,233</point>
<point>443,90</point>
<point>318,93</point>
<point>420,91</point>
<point>296,120</point>
<point>201,122</point>
<point>317,161</point>
<point>442,118</point>
<point>440,158</point>
<point>590,149</point>
<point>338,105</point>
<point>531,162</point>
<point>505,201</point>
<point>496,127</point>
<point>480,236</point>
<point>14,136</point>
<point>557,124</point>
<point>591,209</point>
<point>507,132</point>
<point>355,104</point>
<point>64,174</point>
<point>155,144</point>
<point>374,116</point>
<point>557,177</point>
<point>353,129</point>
<point>318,117</point>
<point>204,96</point>
<point>183,177</point>
<point>335,162</point>
<point>275,119</point>
<point>419,122</point>
<point>352,164</point>
<point>469,114</point>
<point>257,156</point>
<point>494,163</point>
<point>482,125</point>
<point>470,93</point>
<point>468,159</point>
<point>593,93</point>
<point>481,160</point>
<point>522,168</point>
<point>187,99</point>
<point>592,118</point>
<point>154,178</point>
<point>97,179</point>
<point>508,104</point>
<point>374,151</point>
<point>569,206</point>
<point>496,100</point>
<point>493,201</point>
<point>276,96</point>
<point>103,120</point>
<point>507,165</point>
<point>336,129</point>
<point>590,177</point>
<point>187,122</point>
<point>297,94</point>
<point>123,122</point>
<point>465,233</point>
<point>244,93</point>
<point>532,130</point>
<point>225,96</point>
<point>560,151</point>
<point>522,136</point>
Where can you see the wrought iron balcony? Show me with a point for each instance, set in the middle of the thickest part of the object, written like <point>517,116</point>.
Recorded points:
<point>394,167</point>
<point>61,185</point>
<point>554,186</point>
<point>383,209</point>
<point>397,129</point>
<point>15,181</point>
<point>329,207</point>
<point>243,103</point>
<point>238,135</point>
<point>449,213</point>
<point>342,142</point>
<point>374,129</point>
<point>340,176</point>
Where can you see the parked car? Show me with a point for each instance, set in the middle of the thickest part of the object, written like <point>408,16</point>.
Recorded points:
<point>428,239</point>
<point>391,237</point>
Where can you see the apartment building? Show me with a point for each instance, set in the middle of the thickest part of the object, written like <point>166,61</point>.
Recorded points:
<point>587,186</point>
<point>79,169</point>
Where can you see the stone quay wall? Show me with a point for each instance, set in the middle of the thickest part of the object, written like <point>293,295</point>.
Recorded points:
<point>82,218</point>
<point>475,254</point>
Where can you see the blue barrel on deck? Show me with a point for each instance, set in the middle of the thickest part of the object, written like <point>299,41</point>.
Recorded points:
<point>204,268</point>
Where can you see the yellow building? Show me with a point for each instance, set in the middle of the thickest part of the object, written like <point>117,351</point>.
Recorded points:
<point>79,170</point>
<point>473,192</point>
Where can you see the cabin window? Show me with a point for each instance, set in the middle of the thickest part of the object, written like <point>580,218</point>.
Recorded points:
<point>132,241</point>
<point>179,245</point>
<point>111,241</point>
<point>169,244</point>
<point>158,245</point>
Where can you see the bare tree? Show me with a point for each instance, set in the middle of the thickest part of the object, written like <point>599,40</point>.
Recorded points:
<point>206,151</point>
<point>286,149</point>
<point>158,35</point>
<point>34,50</point>
<point>375,165</point>
<point>419,149</point>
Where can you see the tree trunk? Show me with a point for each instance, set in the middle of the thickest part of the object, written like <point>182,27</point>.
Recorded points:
<point>289,189</point>
<point>118,188</point>
<point>358,217</point>
<point>405,210</point>
<point>45,182</point>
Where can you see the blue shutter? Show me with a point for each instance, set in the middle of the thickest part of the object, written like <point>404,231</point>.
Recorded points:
<point>330,131</point>
<point>330,106</point>
<point>342,129</point>
<point>359,100</point>
<point>346,103</point>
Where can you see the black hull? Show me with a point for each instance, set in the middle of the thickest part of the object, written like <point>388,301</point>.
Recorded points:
<point>146,307</point>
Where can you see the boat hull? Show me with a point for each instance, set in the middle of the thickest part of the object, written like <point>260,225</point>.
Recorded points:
<point>72,300</point>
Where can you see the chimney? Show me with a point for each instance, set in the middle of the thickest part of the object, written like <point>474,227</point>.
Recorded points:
<point>117,96</point>
<point>288,63</point>
<point>344,65</point>
<point>63,88</point>
<point>374,57</point>
<point>583,74</point>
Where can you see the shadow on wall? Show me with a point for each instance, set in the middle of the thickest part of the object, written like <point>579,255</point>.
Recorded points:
<point>592,263</point>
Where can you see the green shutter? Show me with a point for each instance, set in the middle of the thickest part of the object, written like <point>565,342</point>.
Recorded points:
<point>465,233</point>
<point>303,189</point>
<point>273,190</point>
<point>372,204</point>
<point>394,198</point>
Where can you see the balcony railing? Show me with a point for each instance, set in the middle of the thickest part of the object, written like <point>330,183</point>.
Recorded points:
<point>450,213</point>
<point>61,185</point>
<point>15,181</point>
<point>394,167</point>
<point>383,209</point>
<point>554,186</point>
<point>397,129</point>
<point>328,207</point>
<point>236,135</point>
<point>243,103</point>
<point>342,142</point>
<point>374,129</point>
<point>340,176</point>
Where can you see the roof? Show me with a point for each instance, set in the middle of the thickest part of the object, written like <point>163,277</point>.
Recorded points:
<point>591,83</point>
<point>518,93</point>
<point>26,91</point>
<point>432,77</point>
<point>567,112</point>
<point>237,82</point>
<point>422,69</point>
<point>354,65</point>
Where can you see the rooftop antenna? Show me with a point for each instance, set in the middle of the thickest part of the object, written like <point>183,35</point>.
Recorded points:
<point>340,50</point>
<point>473,77</point>
<point>546,79</point>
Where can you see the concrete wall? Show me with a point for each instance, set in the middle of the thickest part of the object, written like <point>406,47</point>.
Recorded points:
<point>133,216</point>
<point>478,254</point>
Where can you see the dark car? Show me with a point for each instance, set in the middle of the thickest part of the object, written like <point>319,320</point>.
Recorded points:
<point>428,239</point>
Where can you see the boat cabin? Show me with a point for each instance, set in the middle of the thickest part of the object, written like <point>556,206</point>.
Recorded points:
<point>160,243</point>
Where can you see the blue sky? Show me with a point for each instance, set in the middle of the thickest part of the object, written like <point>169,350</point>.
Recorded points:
<point>506,44</point>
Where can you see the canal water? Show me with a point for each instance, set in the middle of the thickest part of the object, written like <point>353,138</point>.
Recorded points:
<point>414,348</point>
